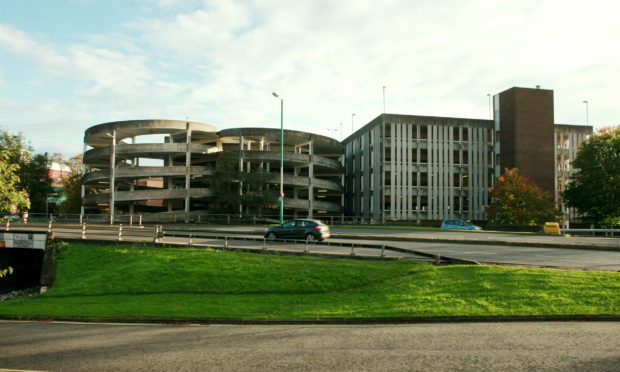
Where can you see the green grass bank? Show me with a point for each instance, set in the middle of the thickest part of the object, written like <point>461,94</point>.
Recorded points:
<point>132,282</point>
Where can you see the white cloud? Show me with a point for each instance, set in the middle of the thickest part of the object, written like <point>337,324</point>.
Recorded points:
<point>219,61</point>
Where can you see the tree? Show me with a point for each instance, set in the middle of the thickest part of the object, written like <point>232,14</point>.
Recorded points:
<point>73,187</point>
<point>32,170</point>
<point>17,147</point>
<point>594,188</point>
<point>519,201</point>
<point>226,180</point>
<point>11,196</point>
<point>35,178</point>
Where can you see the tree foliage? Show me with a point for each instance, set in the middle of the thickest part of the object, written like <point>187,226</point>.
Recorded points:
<point>35,178</point>
<point>5,272</point>
<point>19,151</point>
<point>519,201</point>
<point>73,187</point>
<point>11,196</point>
<point>594,188</point>
<point>31,169</point>
<point>230,187</point>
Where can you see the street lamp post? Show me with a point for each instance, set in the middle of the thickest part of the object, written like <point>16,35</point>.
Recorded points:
<point>281,157</point>
<point>384,99</point>
<point>352,116</point>
<point>587,114</point>
<point>490,106</point>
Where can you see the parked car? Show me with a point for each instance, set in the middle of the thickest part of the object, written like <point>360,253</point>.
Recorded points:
<point>299,229</point>
<point>9,217</point>
<point>459,224</point>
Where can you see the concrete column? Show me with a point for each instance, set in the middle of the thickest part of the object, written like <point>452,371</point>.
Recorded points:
<point>170,185</point>
<point>240,170</point>
<point>311,181</point>
<point>188,165</point>
<point>393,170</point>
<point>112,175</point>
<point>83,191</point>
<point>484,145</point>
<point>382,193</point>
<point>409,170</point>
<point>418,198</point>
<point>132,185</point>
<point>431,177</point>
<point>470,173</point>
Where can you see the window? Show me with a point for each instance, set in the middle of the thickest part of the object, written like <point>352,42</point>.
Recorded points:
<point>423,179</point>
<point>388,131</point>
<point>290,224</point>
<point>423,132</point>
<point>456,180</point>
<point>423,155</point>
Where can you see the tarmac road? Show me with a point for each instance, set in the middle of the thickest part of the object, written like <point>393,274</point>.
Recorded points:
<point>484,247</point>
<point>519,255</point>
<point>521,346</point>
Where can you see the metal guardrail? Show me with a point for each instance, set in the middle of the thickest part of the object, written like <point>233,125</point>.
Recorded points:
<point>611,232</point>
<point>156,234</point>
<point>199,217</point>
<point>382,248</point>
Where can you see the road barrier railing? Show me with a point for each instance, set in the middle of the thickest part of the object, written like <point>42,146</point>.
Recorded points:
<point>593,232</point>
<point>157,234</point>
<point>309,247</point>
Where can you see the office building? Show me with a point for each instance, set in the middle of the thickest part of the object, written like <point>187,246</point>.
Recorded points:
<point>422,168</point>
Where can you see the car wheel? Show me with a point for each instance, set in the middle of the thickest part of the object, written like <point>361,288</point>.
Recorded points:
<point>271,235</point>
<point>310,237</point>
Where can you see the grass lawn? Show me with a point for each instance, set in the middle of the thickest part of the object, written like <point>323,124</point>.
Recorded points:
<point>146,282</point>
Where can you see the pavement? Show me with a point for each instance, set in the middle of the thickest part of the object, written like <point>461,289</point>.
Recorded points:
<point>499,346</point>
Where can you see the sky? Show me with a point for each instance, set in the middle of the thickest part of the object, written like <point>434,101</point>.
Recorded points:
<point>66,65</point>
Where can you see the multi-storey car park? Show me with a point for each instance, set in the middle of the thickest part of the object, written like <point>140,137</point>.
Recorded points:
<point>146,163</point>
<point>397,167</point>
<point>312,167</point>
<point>160,165</point>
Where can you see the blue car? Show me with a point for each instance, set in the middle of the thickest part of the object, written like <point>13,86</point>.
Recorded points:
<point>458,224</point>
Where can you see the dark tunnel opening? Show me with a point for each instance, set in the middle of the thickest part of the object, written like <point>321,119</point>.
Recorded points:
<point>26,264</point>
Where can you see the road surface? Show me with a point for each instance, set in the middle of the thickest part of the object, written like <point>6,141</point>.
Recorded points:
<point>522,346</point>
